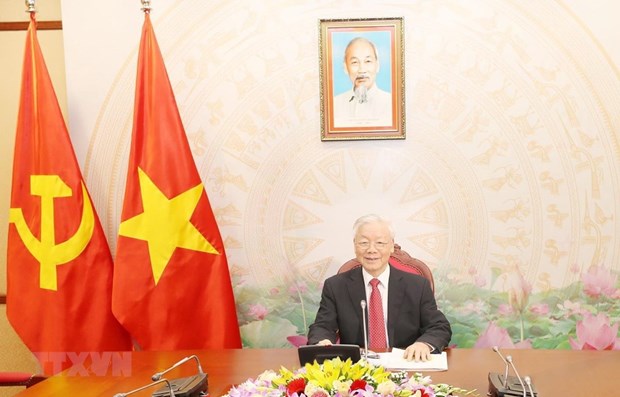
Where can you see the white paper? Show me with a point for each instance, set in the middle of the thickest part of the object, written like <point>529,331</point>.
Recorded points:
<point>394,360</point>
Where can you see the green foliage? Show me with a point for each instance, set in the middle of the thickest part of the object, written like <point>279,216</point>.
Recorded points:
<point>269,314</point>
<point>269,333</point>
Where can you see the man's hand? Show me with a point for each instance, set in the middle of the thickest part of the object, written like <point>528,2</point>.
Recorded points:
<point>325,342</point>
<point>419,351</point>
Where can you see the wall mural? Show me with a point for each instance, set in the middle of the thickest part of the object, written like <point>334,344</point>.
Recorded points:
<point>507,184</point>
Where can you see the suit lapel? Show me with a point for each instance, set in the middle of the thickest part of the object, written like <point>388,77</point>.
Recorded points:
<point>357,293</point>
<point>395,298</point>
<point>356,290</point>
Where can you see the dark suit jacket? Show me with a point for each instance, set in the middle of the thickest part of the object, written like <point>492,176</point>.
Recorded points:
<point>412,311</point>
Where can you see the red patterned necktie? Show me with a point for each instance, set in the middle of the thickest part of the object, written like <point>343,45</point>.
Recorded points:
<point>376,319</point>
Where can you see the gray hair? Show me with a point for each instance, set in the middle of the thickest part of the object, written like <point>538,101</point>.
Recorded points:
<point>371,218</point>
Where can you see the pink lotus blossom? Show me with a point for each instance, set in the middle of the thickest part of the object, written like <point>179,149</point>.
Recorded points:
<point>297,340</point>
<point>298,288</point>
<point>599,281</point>
<point>476,307</point>
<point>504,309</point>
<point>494,336</point>
<point>596,333</point>
<point>480,281</point>
<point>541,309</point>
<point>518,291</point>
<point>258,311</point>
<point>498,336</point>
<point>571,308</point>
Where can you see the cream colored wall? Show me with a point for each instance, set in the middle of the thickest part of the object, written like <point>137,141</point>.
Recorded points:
<point>512,113</point>
<point>14,356</point>
<point>510,168</point>
<point>511,162</point>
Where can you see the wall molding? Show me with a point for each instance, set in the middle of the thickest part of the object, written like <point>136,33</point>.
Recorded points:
<point>23,25</point>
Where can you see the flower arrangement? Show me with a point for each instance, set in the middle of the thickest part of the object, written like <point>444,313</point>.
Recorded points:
<point>340,378</point>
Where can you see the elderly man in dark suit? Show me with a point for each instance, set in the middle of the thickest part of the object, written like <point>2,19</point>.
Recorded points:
<point>413,321</point>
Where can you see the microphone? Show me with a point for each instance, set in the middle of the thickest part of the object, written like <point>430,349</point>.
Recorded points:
<point>363,305</point>
<point>158,375</point>
<point>191,386</point>
<point>528,382</point>
<point>496,350</point>
<point>509,386</point>
<point>146,387</point>
<point>509,359</point>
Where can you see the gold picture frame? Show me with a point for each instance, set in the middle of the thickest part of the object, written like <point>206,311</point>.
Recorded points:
<point>362,78</point>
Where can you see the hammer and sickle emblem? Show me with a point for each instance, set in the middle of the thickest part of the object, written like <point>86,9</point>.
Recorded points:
<point>46,251</point>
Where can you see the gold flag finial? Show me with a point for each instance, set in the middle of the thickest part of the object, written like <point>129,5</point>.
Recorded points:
<point>146,6</point>
<point>30,5</point>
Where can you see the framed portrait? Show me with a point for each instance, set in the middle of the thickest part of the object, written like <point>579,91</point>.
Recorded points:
<point>362,79</point>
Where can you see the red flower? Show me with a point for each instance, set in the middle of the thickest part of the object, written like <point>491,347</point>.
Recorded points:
<point>358,384</point>
<point>297,385</point>
<point>426,393</point>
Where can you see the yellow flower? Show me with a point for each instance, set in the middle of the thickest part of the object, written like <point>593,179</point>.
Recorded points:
<point>335,377</point>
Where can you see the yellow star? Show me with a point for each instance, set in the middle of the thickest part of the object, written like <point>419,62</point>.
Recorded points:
<point>165,224</point>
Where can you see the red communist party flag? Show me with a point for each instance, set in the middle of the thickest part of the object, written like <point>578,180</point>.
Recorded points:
<point>172,287</point>
<point>59,266</point>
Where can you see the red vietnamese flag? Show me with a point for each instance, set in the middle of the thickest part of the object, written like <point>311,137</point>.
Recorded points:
<point>59,266</point>
<point>172,287</point>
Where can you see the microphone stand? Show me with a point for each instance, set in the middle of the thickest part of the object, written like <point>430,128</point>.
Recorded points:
<point>508,386</point>
<point>146,387</point>
<point>191,386</point>
<point>158,375</point>
<point>509,359</point>
<point>496,350</point>
<point>363,304</point>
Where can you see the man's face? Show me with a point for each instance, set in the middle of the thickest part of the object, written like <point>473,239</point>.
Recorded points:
<point>373,246</point>
<point>361,64</point>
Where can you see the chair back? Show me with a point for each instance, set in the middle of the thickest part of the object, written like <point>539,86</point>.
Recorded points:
<point>401,260</point>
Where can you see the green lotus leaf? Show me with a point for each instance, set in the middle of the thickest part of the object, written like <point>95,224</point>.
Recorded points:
<point>270,333</point>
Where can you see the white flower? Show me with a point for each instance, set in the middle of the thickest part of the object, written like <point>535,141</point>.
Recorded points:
<point>386,388</point>
<point>312,388</point>
<point>268,376</point>
<point>342,387</point>
<point>419,381</point>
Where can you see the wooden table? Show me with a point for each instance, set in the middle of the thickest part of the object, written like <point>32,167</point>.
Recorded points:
<point>553,372</point>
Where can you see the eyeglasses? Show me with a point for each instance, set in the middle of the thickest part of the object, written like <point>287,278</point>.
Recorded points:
<point>379,245</point>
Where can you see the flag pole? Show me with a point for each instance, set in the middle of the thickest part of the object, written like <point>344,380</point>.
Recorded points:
<point>146,5</point>
<point>30,5</point>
